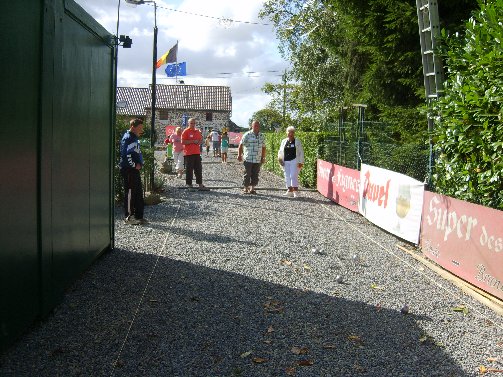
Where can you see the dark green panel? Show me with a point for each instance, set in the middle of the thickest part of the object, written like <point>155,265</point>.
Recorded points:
<point>20,71</point>
<point>101,119</point>
<point>80,143</point>
<point>57,107</point>
<point>70,158</point>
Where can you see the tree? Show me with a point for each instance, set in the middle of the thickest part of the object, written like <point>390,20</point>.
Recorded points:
<point>469,131</point>
<point>365,51</point>
<point>269,119</point>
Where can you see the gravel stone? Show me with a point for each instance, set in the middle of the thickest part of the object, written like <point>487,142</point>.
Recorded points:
<point>225,284</point>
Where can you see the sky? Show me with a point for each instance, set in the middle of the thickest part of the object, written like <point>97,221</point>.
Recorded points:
<point>217,52</point>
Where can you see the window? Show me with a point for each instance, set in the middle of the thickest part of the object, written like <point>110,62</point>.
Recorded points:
<point>209,117</point>
<point>163,114</point>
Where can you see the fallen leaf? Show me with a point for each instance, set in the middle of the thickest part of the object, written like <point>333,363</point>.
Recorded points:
<point>461,308</point>
<point>329,346</point>
<point>268,341</point>
<point>492,359</point>
<point>359,368</point>
<point>307,267</point>
<point>423,339</point>
<point>377,287</point>
<point>246,354</point>
<point>259,360</point>
<point>482,369</point>
<point>290,371</point>
<point>356,340</point>
<point>286,262</point>
<point>299,350</point>
<point>273,306</point>
<point>270,329</point>
<point>305,362</point>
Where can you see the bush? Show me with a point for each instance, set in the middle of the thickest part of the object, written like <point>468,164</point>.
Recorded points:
<point>469,131</point>
<point>313,143</point>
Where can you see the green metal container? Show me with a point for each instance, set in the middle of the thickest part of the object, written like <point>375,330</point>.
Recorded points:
<point>58,110</point>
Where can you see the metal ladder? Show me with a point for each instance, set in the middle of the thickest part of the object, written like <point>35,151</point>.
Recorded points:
<point>429,31</point>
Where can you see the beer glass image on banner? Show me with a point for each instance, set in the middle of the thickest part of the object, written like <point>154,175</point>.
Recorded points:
<point>402,203</point>
<point>392,201</point>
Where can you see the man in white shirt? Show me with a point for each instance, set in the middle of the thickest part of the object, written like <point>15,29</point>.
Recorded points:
<point>215,138</point>
<point>252,151</point>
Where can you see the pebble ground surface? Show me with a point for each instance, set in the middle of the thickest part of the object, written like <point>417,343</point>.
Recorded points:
<point>225,284</point>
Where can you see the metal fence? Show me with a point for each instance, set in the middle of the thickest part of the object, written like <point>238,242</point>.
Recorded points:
<point>371,143</point>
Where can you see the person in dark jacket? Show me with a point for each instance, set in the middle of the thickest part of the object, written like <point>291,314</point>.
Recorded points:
<point>131,162</point>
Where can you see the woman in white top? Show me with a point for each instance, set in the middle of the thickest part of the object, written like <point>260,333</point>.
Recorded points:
<point>176,140</point>
<point>291,158</point>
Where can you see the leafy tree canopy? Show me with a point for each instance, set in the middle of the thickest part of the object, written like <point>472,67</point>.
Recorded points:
<point>356,51</point>
<point>269,119</point>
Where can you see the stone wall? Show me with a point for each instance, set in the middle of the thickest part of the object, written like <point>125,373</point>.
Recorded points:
<point>165,118</point>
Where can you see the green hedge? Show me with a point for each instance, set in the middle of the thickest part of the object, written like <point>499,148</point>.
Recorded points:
<point>313,143</point>
<point>469,131</point>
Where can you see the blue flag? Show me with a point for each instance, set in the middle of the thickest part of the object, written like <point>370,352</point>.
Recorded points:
<point>179,69</point>
<point>185,119</point>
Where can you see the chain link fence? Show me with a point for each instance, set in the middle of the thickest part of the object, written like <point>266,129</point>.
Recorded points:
<point>354,143</point>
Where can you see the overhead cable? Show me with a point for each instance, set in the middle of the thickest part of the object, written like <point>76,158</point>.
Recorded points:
<point>224,19</point>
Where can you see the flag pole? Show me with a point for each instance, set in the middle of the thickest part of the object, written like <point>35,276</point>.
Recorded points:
<point>154,93</point>
<point>176,63</point>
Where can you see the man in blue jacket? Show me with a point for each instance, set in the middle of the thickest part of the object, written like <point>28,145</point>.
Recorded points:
<point>131,162</point>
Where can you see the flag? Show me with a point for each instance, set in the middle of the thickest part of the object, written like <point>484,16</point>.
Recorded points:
<point>168,57</point>
<point>179,69</point>
<point>185,119</point>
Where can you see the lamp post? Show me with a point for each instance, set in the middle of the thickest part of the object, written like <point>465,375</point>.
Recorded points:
<point>154,86</point>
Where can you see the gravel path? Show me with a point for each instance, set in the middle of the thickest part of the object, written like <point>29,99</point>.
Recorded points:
<point>225,284</point>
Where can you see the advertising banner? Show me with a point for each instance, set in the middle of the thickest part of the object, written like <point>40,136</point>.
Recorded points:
<point>170,130</point>
<point>235,138</point>
<point>466,239</point>
<point>392,201</point>
<point>338,184</point>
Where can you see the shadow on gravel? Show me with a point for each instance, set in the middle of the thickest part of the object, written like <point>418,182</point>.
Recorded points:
<point>267,206</point>
<point>201,236</point>
<point>197,321</point>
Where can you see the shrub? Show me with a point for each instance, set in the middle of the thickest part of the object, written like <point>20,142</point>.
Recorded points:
<point>469,131</point>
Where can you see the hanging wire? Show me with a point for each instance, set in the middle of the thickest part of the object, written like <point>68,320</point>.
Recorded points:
<point>222,19</point>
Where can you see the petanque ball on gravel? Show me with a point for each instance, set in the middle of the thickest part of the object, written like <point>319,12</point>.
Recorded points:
<point>355,258</point>
<point>338,279</point>
<point>405,309</point>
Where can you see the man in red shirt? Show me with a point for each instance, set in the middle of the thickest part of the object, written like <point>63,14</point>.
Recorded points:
<point>191,140</point>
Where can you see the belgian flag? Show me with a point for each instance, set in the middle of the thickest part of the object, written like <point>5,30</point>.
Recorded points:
<point>168,57</point>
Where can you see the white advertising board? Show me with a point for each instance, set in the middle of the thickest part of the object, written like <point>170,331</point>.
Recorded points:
<point>392,201</point>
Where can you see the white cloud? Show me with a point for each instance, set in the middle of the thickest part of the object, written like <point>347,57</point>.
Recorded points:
<point>210,47</point>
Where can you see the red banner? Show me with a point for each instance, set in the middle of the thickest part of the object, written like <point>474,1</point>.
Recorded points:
<point>170,130</point>
<point>235,138</point>
<point>339,184</point>
<point>466,239</point>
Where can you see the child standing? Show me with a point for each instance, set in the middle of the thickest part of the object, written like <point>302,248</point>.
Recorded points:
<point>224,145</point>
<point>207,144</point>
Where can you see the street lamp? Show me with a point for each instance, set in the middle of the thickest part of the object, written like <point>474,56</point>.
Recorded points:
<point>154,87</point>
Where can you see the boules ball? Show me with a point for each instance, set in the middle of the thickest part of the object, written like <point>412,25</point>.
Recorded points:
<point>338,279</point>
<point>405,309</point>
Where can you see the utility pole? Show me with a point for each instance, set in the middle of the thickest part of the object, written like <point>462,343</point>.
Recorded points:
<point>284,99</point>
<point>154,94</point>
